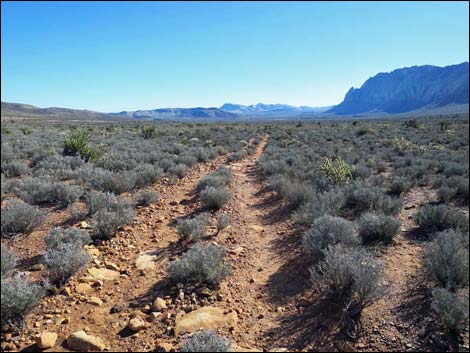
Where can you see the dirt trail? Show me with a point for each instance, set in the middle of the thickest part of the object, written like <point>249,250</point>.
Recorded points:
<point>251,249</point>
<point>152,231</point>
<point>252,243</point>
<point>389,323</point>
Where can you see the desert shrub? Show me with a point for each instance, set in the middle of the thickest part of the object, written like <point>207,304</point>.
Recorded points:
<point>377,228</point>
<point>462,186</point>
<point>201,263</point>
<point>37,191</point>
<point>194,227</point>
<point>454,188</point>
<point>5,186</point>
<point>19,217</point>
<point>446,194</point>
<point>107,221</point>
<point>121,182</point>
<point>327,203</point>
<point>214,198</point>
<point>18,297</point>
<point>64,259</point>
<point>337,171</point>
<point>362,198</point>
<point>58,236</point>
<point>435,218</point>
<point>14,168</point>
<point>351,276</point>
<point>205,341</point>
<point>67,194</point>
<point>451,310</point>
<point>445,260</point>
<point>361,171</point>
<point>146,174</point>
<point>97,200</point>
<point>218,179</point>
<point>77,211</point>
<point>399,185</point>
<point>327,231</point>
<point>9,260</point>
<point>179,170</point>
<point>147,197</point>
<point>223,221</point>
<point>236,156</point>
<point>297,194</point>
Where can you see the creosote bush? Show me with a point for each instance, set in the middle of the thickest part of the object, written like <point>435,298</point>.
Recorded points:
<point>445,260</point>
<point>451,310</point>
<point>205,341</point>
<point>327,231</point>
<point>19,217</point>
<point>375,228</point>
<point>214,198</point>
<point>201,263</point>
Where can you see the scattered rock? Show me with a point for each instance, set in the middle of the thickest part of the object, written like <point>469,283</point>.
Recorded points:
<point>46,340</point>
<point>37,267</point>
<point>159,304</point>
<point>145,261</point>
<point>165,347</point>
<point>83,288</point>
<point>95,301</point>
<point>84,225</point>
<point>103,274</point>
<point>207,318</point>
<point>136,324</point>
<point>112,266</point>
<point>117,308</point>
<point>80,341</point>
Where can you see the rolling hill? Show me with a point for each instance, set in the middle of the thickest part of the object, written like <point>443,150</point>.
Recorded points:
<point>26,111</point>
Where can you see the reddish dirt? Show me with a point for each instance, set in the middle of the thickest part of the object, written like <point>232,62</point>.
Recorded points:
<point>268,287</point>
<point>386,323</point>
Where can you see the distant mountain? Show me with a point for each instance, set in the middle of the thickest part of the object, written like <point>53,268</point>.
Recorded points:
<point>178,113</point>
<point>408,89</point>
<point>26,111</point>
<point>267,110</point>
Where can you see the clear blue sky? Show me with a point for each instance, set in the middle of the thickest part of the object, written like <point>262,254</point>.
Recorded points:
<point>143,55</point>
